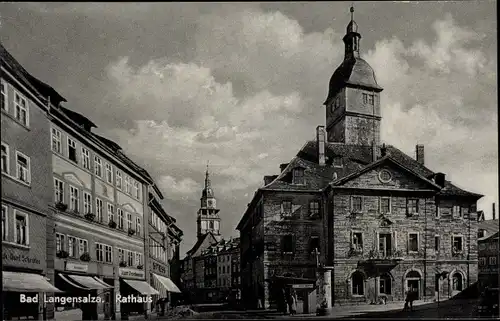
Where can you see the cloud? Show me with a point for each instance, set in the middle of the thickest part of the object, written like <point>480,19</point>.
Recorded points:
<point>184,188</point>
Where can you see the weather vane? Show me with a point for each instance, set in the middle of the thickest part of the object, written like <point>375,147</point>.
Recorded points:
<point>352,10</point>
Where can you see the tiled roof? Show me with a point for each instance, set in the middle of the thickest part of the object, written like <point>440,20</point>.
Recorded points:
<point>490,226</point>
<point>39,88</point>
<point>78,118</point>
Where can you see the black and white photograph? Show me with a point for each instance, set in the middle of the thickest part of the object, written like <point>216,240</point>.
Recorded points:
<point>249,160</point>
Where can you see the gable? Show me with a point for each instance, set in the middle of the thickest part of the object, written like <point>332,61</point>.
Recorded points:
<point>208,239</point>
<point>388,175</point>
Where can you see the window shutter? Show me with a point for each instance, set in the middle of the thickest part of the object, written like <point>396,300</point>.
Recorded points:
<point>395,241</point>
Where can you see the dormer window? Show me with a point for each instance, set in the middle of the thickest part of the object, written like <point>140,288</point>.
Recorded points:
<point>298,176</point>
<point>481,233</point>
<point>337,161</point>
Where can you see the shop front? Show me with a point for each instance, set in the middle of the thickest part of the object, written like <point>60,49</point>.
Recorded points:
<point>83,290</point>
<point>136,294</point>
<point>165,287</point>
<point>24,286</point>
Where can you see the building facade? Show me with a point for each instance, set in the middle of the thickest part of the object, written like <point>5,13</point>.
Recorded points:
<point>381,219</point>
<point>164,242</point>
<point>488,250</point>
<point>26,189</point>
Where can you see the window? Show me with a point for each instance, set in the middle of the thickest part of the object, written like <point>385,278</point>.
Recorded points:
<point>121,255</point>
<point>412,206</point>
<point>5,158</point>
<point>21,233</point>
<point>109,173</point>
<point>120,218</point>
<point>72,246</point>
<point>23,167</point>
<point>136,190</point>
<point>73,199</point>
<point>138,226</point>
<point>286,208</point>
<point>337,161</point>
<point>138,258</point>
<point>457,211</point>
<point>98,209</point>
<point>130,258</point>
<point>358,283</point>
<point>98,166</point>
<point>21,109</point>
<point>87,203</point>
<point>129,220</point>
<point>99,252</point>
<point>86,158</point>
<point>314,244</point>
<point>5,223</point>
<point>313,208</point>
<point>357,241</point>
<point>119,180</point>
<point>368,99</point>
<point>437,243</point>
<point>492,260</point>
<point>298,176</point>
<point>111,212</point>
<point>127,184</point>
<point>288,244</point>
<point>457,242</point>
<point>83,246</point>
<point>412,242</point>
<point>385,205</point>
<point>481,233</point>
<point>56,141</point>
<point>4,100</point>
<point>385,284</point>
<point>60,241</point>
<point>58,191</point>
<point>482,261</point>
<point>72,150</point>
<point>356,204</point>
<point>108,254</point>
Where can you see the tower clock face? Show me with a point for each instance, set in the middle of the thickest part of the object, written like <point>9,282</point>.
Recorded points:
<point>210,203</point>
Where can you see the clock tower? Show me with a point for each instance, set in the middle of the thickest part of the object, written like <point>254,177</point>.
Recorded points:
<point>353,103</point>
<point>208,215</point>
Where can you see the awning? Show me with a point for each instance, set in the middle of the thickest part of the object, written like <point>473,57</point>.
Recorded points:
<point>141,287</point>
<point>88,282</point>
<point>167,283</point>
<point>26,282</point>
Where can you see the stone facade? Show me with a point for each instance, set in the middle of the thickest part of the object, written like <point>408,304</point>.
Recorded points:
<point>488,261</point>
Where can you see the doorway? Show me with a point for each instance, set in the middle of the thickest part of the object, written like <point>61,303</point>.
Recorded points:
<point>384,244</point>
<point>414,286</point>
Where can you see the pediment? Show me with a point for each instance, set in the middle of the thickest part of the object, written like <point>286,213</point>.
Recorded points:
<point>386,174</point>
<point>73,179</point>
<point>129,207</point>
<point>385,221</point>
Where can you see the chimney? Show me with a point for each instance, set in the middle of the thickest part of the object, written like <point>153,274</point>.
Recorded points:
<point>383,150</point>
<point>493,211</point>
<point>320,138</point>
<point>283,166</point>
<point>374,152</point>
<point>439,179</point>
<point>419,151</point>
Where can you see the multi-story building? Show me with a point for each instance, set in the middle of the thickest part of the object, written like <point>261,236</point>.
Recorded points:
<point>164,242</point>
<point>26,189</point>
<point>381,219</point>
<point>224,268</point>
<point>488,250</point>
<point>235,277</point>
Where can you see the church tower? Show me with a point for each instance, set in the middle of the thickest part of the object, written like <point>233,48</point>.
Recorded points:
<point>353,102</point>
<point>208,218</point>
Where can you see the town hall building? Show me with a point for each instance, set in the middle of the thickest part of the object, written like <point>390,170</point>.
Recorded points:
<point>382,220</point>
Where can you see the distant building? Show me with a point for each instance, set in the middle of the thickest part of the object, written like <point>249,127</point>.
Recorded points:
<point>383,220</point>
<point>488,251</point>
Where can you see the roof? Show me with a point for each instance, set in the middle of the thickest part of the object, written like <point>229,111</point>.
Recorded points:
<point>355,158</point>
<point>40,89</point>
<point>81,120</point>
<point>352,71</point>
<point>199,242</point>
<point>490,226</point>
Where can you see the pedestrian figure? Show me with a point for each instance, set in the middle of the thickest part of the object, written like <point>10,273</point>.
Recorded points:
<point>282,296</point>
<point>413,296</point>
<point>293,305</point>
<point>288,299</point>
<point>407,300</point>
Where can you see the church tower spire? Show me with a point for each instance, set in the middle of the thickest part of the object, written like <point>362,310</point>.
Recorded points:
<point>208,219</point>
<point>353,102</point>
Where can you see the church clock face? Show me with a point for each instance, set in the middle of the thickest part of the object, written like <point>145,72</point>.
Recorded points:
<point>210,203</point>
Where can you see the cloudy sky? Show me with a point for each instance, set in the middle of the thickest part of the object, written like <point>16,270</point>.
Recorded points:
<point>242,85</point>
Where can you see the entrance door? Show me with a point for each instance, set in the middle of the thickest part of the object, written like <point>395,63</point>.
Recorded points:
<point>414,285</point>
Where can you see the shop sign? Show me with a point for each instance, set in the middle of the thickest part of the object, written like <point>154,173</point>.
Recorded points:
<point>160,268</point>
<point>303,286</point>
<point>76,267</point>
<point>20,258</point>
<point>131,273</point>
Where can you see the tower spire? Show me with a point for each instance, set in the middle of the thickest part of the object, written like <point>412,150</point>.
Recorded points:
<point>352,11</point>
<point>207,177</point>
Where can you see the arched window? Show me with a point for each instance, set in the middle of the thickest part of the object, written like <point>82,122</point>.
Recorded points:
<point>358,283</point>
<point>211,224</point>
<point>413,274</point>
<point>457,282</point>
<point>385,284</point>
